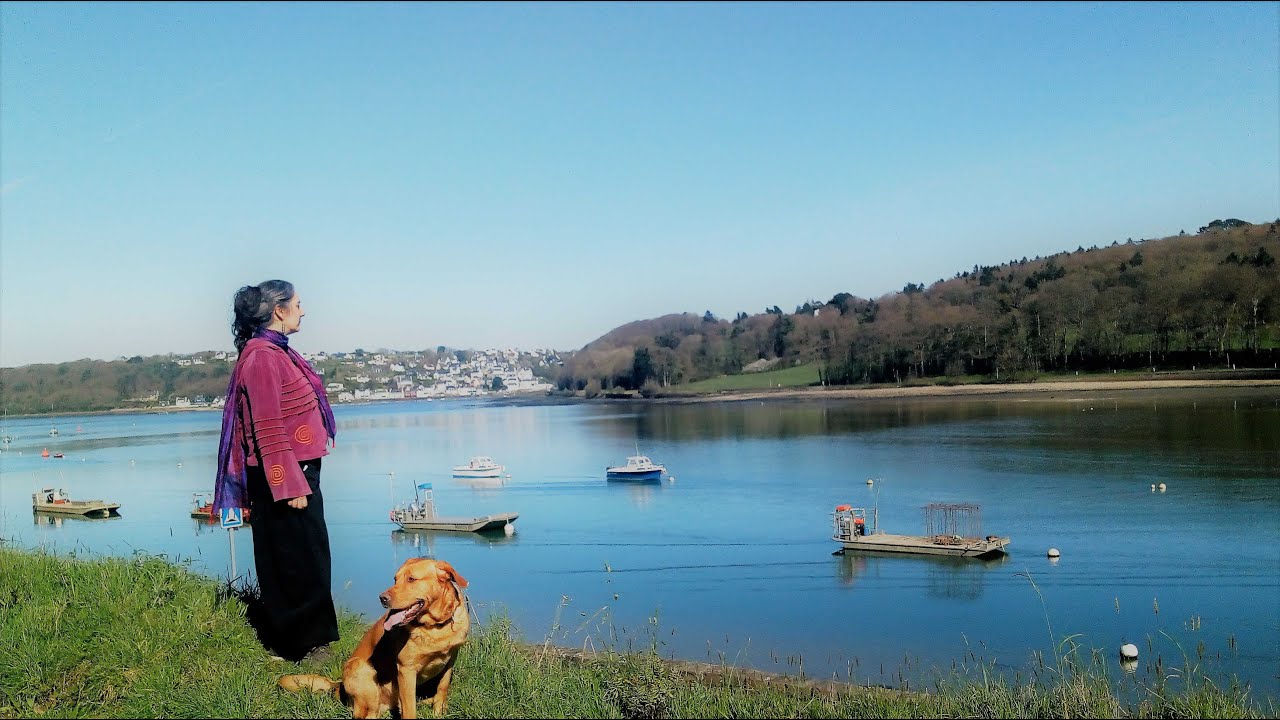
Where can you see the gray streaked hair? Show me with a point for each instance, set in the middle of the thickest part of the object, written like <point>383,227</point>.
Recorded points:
<point>253,307</point>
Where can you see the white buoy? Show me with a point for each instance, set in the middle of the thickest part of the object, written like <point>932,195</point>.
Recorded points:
<point>1161,487</point>
<point>671,478</point>
<point>509,529</point>
<point>1053,553</point>
<point>179,464</point>
<point>1153,488</point>
<point>1129,651</point>
<point>870,481</point>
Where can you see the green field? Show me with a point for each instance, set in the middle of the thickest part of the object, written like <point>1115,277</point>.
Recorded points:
<point>799,376</point>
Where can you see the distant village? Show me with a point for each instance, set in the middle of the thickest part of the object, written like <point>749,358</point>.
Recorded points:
<point>365,377</point>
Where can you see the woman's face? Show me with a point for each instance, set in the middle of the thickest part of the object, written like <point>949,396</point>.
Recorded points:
<point>290,315</point>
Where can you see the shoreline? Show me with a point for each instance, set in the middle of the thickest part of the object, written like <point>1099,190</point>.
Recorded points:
<point>837,392</point>
<point>948,391</point>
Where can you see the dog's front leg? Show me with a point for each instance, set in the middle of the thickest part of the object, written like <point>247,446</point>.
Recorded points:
<point>407,691</point>
<point>441,701</point>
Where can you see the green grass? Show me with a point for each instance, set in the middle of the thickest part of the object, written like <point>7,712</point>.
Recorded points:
<point>798,376</point>
<point>142,637</point>
<point>807,375</point>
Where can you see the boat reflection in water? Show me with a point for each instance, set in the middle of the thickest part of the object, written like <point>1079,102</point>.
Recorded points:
<point>44,519</point>
<point>482,487</point>
<point>419,538</point>
<point>951,578</point>
<point>422,543</point>
<point>639,494</point>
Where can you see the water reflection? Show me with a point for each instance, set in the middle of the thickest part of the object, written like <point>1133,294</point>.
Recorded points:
<point>639,494</point>
<point>949,578</point>
<point>204,527</point>
<point>1243,422</point>
<point>485,486</point>
<point>849,566</point>
<point>41,519</point>
<point>426,540</point>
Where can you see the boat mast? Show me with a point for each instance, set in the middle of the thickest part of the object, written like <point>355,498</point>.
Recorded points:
<point>875,512</point>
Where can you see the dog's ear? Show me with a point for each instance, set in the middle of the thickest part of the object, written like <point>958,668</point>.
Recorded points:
<point>443,607</point>
<point>447,570</point>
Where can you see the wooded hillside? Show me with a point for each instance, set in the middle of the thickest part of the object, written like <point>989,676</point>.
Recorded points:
<point>1209,299</point>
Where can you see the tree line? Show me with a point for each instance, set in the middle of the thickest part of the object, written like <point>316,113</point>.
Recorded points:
<point>94,385</point>
<point>1203,300</point>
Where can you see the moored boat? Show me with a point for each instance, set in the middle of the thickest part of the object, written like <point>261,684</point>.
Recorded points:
<point>421,515</point>
<point>202,509</point>
<point>480,466</point>
<point>638,467</point>
<point>51,500</point>
<point>952,529</point>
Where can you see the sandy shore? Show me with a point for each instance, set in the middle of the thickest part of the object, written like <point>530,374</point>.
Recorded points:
<point>1034,388</point>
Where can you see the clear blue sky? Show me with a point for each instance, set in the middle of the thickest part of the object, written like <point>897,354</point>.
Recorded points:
<point>535,175</point>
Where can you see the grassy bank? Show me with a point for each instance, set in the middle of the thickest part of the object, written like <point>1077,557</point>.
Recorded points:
<point>798,376</point>
<point>142,637</point>
<point>803,381</point>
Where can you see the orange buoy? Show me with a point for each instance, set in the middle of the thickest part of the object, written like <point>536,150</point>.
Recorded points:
<point>45,453</point>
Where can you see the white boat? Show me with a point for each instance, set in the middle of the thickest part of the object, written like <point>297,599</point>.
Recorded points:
<point>479,467</point>
<point>638,467</point>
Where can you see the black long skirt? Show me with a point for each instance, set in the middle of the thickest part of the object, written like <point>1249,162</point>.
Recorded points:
<point>291,555</point>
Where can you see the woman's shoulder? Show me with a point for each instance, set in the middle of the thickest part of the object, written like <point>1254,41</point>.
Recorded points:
<point>258,351</point>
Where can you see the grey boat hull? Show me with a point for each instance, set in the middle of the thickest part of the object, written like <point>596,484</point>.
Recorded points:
<point>920,545</point>
<point>89,508</point>
<point>457,524</point>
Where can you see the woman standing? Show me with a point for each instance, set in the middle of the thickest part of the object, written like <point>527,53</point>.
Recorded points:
<point>276,426</point>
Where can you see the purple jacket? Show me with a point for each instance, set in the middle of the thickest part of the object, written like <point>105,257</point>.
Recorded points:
<point>280,418</point>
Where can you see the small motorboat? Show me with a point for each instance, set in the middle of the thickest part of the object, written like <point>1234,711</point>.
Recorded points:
<point>479,467</point>
<point>638,467</point>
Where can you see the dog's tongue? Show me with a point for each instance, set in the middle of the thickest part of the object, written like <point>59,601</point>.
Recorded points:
<point>395,619</point>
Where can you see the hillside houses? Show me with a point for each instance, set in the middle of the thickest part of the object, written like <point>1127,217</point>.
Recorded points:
<point>388,375</point>
<point>359,377</point>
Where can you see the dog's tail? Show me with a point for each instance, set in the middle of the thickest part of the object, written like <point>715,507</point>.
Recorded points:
<point>314,683</point>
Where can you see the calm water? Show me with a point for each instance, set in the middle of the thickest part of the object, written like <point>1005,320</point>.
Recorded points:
<point>732,560</point>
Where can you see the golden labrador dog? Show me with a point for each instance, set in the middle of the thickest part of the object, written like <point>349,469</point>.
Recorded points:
<point>413,645</point>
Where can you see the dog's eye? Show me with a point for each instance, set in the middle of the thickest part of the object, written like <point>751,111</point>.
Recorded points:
<point>413,579</point>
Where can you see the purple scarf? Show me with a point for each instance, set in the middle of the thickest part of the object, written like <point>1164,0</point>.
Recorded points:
<point>229,485</point>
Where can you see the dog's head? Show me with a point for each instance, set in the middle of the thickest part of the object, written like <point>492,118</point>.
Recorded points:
<point>424,588</point>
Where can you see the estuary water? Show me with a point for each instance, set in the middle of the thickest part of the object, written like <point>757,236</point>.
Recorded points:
<point>730,559</point>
